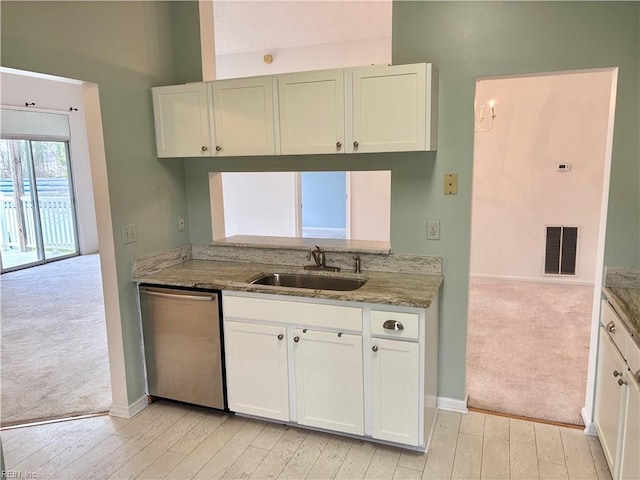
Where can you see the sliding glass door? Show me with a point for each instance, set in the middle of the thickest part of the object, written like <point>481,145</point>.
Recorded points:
<point>37,212</point>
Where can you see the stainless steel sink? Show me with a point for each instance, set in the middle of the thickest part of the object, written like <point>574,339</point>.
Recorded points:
<point>305,280</point>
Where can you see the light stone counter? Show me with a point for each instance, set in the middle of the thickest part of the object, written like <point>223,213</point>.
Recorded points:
<point>404,280</point>
<point>622,290</point>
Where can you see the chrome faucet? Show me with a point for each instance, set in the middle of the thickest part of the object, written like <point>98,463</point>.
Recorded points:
<point>318,256</point>
<point>320,260</point>
<point>358,265</point>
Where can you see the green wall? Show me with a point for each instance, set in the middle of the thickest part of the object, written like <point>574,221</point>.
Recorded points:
<point>125,48</point>
<point>465,40</point>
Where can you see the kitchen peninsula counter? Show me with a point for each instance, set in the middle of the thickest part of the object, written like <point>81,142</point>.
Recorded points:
<point>401,280</point>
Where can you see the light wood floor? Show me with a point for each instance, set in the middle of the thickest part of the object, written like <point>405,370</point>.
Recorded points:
<point>176,441</point>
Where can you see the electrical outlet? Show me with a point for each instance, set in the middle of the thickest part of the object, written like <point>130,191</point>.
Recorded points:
<point>433,229</point>
<point>181,224</point>
<point>129,233</point>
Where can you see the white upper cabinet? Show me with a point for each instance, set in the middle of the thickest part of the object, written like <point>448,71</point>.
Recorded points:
<point>394,108</point>
<point>378,108</point>
<point>243,116</point>
<point>311,108</point>
<point>181,120</point>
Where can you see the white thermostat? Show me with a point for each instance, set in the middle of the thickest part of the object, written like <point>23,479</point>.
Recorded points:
<point>563,167</point>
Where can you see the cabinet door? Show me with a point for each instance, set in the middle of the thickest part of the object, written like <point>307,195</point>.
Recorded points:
<point>609,396</point>
<point>256,364</point>
<point>181,117</point>
<point>311,112</point>
<point>389,108</point>
<point>395,383</point>
<point>244,121</point>
<point>329,380</point>
<point>630,460</point>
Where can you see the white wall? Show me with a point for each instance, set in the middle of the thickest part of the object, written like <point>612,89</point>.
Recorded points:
<point>311,57</point>
<point>59,94</point>
<point>540,122</point>
<point>370,209</point>
<point>259,203</point>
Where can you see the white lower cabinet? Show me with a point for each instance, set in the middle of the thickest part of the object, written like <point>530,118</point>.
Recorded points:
<point>609,396</point>
<point>303,361</point>
<point>395,391</point>
<point>256,364</point>
<point>617,402</point>
<point>630,458</point>
<point>329,382</point>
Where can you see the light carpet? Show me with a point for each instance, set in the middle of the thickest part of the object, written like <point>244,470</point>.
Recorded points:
<point>54,360</point>
<point>528,348</point>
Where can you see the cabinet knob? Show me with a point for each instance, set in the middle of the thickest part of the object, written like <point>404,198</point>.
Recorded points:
<point>296,339</point>
<point>611,327</point>
<point>280,336</point>
<point>621,382</point>
<point>204,149</point>
<point>393,325</point>
<point>374,348</point>
<point>617,373</point>
<point>355,144</point>
<point>338,145</point>
<point>218,148</point>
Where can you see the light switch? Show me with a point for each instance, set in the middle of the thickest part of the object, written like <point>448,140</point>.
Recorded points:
<point>450,183</point>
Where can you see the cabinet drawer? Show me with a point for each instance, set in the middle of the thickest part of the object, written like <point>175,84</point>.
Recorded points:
<point>384,323</point>
<point>614,327</point>
<point>300,314</point>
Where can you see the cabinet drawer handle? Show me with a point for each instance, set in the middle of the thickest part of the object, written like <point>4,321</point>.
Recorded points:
<point>393,325</point>
<point>374,348</point>
<point>296,339</point>
<point>218,148</point>
<point>355,144</point>
<point>611,327</point>
<point>621,382</point>
<point>338,145</point>
<point>617,373</point>
<point>204,149</point>
<point>280,337</point>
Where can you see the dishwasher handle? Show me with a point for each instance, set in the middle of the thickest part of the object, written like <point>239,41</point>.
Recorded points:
<point>201,298</point>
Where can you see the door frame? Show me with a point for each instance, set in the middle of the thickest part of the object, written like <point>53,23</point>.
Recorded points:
<point>298,203</point>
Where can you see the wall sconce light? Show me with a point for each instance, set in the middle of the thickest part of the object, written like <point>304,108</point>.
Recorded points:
<point>492,116</point>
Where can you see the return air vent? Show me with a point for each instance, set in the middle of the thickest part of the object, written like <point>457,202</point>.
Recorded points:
<point>561,250</point>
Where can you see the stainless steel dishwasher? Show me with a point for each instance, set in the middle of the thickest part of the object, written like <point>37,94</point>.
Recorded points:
<point>183,345</point>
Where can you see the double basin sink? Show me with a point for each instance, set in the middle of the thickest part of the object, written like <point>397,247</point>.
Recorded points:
<point>311,281</point>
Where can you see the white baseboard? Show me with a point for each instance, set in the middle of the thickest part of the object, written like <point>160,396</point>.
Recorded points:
<point>565,280</point>
<point>129,411</point>
<point>590,427</point>
<point>453,405</point>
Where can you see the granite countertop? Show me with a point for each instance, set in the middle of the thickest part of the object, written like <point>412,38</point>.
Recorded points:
<point>390,288</point>
<point>626,303</point>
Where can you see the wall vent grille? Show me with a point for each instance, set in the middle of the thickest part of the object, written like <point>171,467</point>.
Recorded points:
<point>561,250</point>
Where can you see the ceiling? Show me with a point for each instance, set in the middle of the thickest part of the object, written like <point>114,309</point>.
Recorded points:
<point>250,26</point>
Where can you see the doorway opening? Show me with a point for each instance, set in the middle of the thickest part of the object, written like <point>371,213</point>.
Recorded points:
<point>54,347</point>
<point>37,207</point>
<point>540,189</point>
